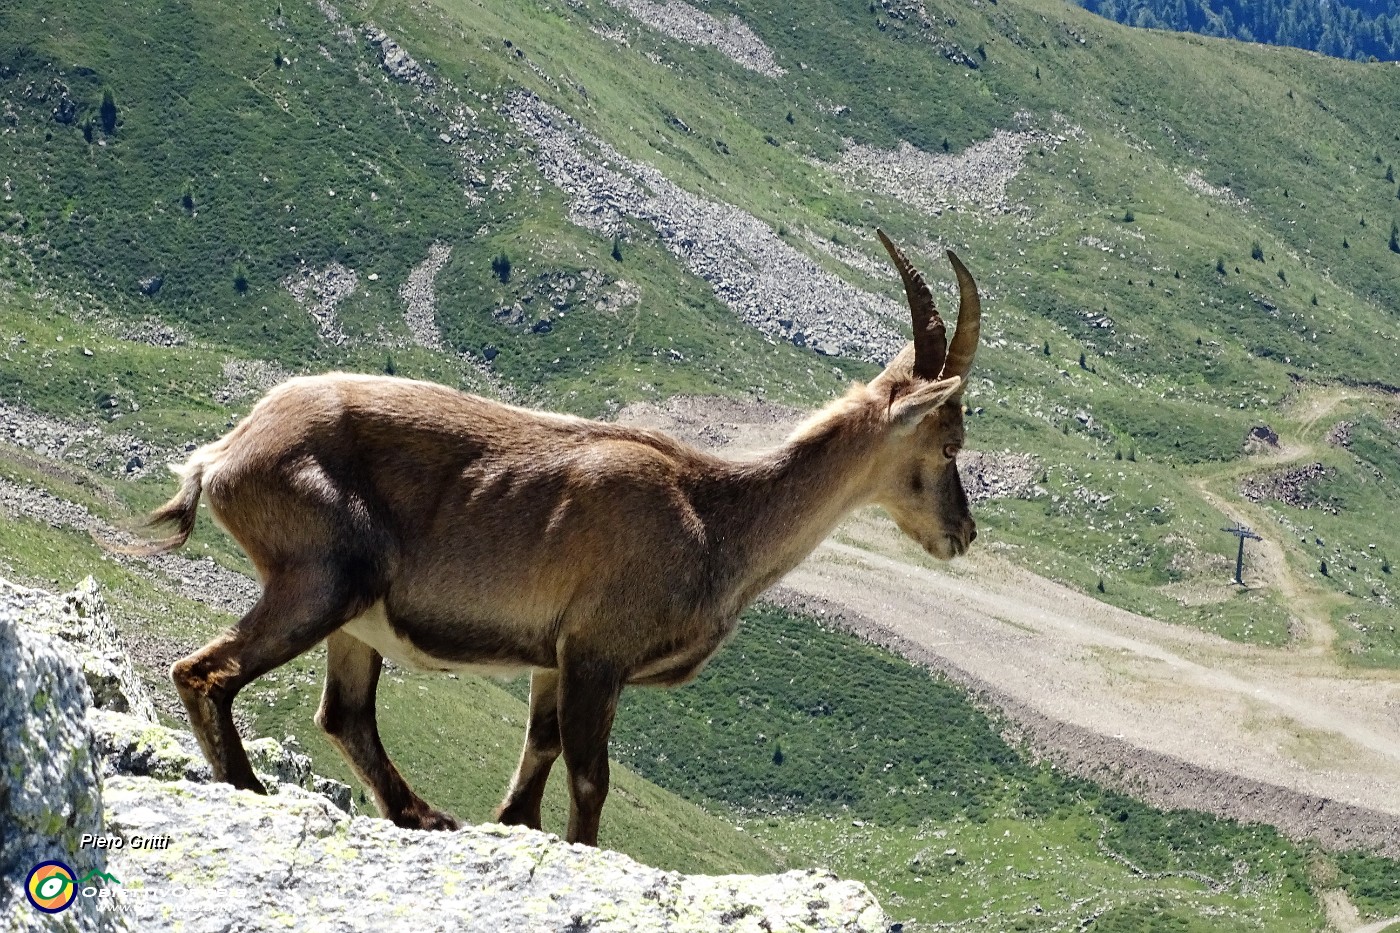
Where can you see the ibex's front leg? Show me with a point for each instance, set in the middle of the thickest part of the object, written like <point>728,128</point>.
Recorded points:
<point>588,691</point>
<point>542,746</point>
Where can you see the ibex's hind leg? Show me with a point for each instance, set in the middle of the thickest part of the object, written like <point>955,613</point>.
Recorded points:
<point>299,607</point>
<point>542,747</point>
<point>347,716</point>
<point>588,692</point>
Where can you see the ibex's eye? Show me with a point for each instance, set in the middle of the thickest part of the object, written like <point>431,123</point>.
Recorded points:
<point>917,483</point>
<point>950,451</point>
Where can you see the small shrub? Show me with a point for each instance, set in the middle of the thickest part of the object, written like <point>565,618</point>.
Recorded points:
<point>777,754</point>
<point>501,267</point>
<point>1046,348</point>
<point>389,367</point>
<point>1282,278</point>
<point>1256,252</point>
<point>1082,363</point>
<point>617,248</point>
<point>1128,217</point>
<point>1322,568</point>
<point>1100,586</point>
<point>1394,237</point>
<point>108,112</point>
<point>240,280</point>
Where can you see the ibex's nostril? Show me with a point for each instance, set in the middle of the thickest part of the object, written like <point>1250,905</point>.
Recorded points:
<point>972,535</point>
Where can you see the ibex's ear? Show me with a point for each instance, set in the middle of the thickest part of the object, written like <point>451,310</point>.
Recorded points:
<point>909,409</point>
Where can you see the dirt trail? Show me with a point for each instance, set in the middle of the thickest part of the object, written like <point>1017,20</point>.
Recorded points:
<point>1186,718</point>
<point>1309,605</point>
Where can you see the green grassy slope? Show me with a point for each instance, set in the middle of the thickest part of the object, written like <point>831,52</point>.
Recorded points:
<point>845,755</point>
<point>249,141</point>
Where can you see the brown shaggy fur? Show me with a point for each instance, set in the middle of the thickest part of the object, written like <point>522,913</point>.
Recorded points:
<point>401,518</point>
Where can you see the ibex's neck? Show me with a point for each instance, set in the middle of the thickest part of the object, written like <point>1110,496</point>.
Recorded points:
<point>774,511</point>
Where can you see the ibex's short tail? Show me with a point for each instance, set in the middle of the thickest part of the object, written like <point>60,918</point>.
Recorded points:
<point>179,511</point>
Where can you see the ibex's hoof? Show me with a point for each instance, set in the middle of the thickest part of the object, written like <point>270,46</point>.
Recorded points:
<point>428,818</point>
<point>436,819</point>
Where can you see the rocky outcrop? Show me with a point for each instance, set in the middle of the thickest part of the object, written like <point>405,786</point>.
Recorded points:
<point>396,61</point>
<point>1340,434</point>
<point>189,854</point>
<point>319,291</point>
<point>49,776</point>
<point>292,862</point>
<point>766,282</point>
<point>685,23</point>
<point>1260,438</point>
<point>80,620</point>
<point>1298,487</point>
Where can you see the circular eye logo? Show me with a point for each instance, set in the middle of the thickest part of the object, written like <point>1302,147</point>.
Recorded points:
<point>50,887</point>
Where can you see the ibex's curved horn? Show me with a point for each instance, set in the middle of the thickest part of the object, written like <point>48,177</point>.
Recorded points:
<point>930,336</point>
<point>964,346</point>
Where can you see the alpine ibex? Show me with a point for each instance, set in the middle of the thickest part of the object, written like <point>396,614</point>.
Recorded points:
<point>400,519</point>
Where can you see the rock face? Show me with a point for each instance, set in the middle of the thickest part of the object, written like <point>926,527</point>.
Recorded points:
<point>80,619</point>
<point>224,859</point>
<point>293,862</point>
<point>50,790</point>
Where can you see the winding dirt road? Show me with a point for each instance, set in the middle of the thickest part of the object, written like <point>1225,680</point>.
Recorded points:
<point>1184,718</point>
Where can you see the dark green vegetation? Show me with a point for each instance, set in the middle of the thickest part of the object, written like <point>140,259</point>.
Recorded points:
<point>1364,29</point>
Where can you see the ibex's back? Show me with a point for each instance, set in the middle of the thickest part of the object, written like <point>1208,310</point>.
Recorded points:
<point>482,528</point>
<point>396,518</point>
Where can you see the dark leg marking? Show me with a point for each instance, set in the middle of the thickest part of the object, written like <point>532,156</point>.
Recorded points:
<point>347,716</point>
<point>588,692</point>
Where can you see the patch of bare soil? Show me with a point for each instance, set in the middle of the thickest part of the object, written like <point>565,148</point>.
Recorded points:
<point>1179,717</point>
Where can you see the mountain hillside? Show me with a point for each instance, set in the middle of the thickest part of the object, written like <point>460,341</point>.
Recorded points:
<point>581,205</point>
<point>1187,248</point>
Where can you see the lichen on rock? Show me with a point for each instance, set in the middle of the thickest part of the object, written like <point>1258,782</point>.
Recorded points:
<point>80,619</point>
<point>294,862</point>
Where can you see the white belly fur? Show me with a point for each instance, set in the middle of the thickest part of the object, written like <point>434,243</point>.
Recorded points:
<point>372,627</point>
